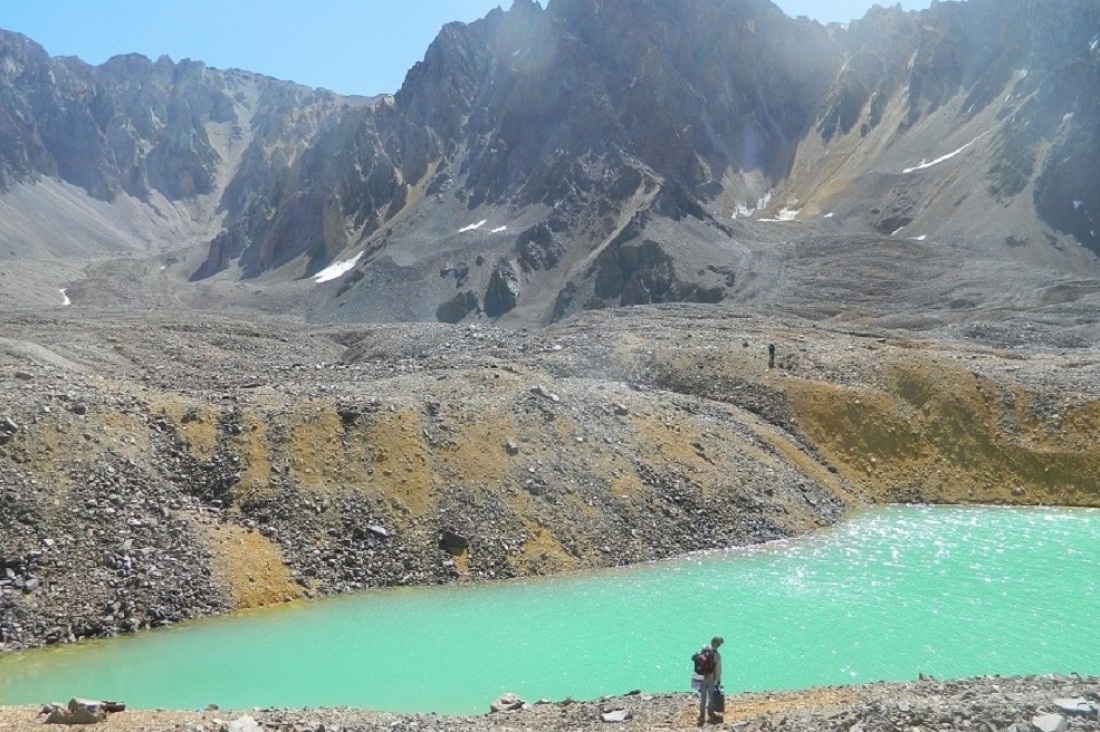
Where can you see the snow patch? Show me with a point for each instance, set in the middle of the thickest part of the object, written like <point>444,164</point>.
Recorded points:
<point>1077,204</point>
<point>1095,44</point>
<point>922,165</point>
<point>65,301</point>
<point>828,215</point>
<point>337,269</point>
<point>473,227</point>
<point>498,229</point>
<point>785,214</point>
<point>922,237</point>
<point>744,210</point>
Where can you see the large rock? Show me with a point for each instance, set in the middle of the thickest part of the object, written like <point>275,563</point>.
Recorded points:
<point>1077,705</point>
<point>81,711</point>
<point>503,291</point>
<point>457,308</point>
<point>1050,723</point>
<point>507,703</point>
<point>243,724</point>
<point>453,542</point>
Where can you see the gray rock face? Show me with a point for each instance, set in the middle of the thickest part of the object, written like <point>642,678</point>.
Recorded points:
<point>140,128</point>
<point>503,291</point>
<point>619,140</point>
<point>604,114</point>
<point>88,126</point>
<point>457,308</point>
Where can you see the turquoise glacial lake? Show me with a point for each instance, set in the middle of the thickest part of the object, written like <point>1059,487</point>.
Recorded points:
<point>890,594</point>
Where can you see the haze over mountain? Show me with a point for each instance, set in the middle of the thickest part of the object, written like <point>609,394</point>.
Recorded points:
<point>924,168</point>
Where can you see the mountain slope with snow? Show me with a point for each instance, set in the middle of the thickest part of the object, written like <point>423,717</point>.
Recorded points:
<point>539,162</point>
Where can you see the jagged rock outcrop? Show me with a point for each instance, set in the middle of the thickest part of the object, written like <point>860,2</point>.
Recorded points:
<point>602,112</point>
<point>166,134</point>
<point>1006,88</point>
<point>555,127</point>
<point>503,291</point>
<point>457,308</point>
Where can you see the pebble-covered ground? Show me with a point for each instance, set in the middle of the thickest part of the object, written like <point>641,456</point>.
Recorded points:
<point>155,468</point>
<point>1052,703</point>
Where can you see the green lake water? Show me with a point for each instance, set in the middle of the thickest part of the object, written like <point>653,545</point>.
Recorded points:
<point>950,592</point>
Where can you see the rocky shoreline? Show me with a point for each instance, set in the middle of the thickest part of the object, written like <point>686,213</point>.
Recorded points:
<point>137,492</point>
<point>155,469</point>
<point>1049,703</point>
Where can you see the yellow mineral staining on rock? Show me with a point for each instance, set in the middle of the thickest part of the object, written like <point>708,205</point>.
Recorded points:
<point>935,432</point>
<point>248,566</point>
<point>196,422</point>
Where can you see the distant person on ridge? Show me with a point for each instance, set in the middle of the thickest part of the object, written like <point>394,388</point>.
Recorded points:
<point>708,665</point>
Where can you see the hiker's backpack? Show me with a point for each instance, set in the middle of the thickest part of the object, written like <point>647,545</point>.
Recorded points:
<point>704,661</point>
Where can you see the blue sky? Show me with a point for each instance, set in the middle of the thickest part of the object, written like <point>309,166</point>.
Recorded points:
<point>349,46</point>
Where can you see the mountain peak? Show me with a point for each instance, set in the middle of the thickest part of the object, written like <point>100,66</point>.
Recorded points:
<point>590,154</point>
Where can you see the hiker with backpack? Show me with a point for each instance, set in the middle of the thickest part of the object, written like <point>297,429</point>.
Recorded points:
<point>708,666</point>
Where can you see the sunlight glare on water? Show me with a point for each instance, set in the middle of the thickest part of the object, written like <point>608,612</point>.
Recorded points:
<point>898,591</point>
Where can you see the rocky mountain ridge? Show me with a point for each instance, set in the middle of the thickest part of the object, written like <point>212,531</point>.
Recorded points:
<point>539,161</point>
<point>170,137</point>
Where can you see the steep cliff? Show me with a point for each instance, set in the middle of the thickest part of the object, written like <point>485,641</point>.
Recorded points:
<point>603,154</point>
<point>173,147</point>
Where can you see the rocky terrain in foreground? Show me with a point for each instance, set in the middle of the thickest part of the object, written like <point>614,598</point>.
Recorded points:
<point>1052,703</point>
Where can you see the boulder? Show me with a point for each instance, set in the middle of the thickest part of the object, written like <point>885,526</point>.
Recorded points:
<point>503,290</point>
<point>507,703</point>
<point>1076,705</point>
<point>615,715</point>
<point>80,716</point>
<point>1050,723</point>
<point>457,308</point>
<point>452,541</point>
<point>79,711</point>
<point>243,724</point>
<point>91,705</point>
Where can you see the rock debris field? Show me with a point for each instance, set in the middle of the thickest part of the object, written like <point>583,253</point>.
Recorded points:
<point>1050,703</point>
